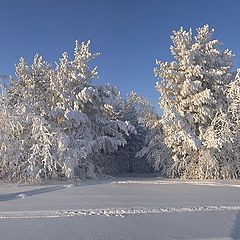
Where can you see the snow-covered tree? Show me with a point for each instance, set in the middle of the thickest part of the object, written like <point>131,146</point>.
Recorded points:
<point>63,121</point>
<point>193,93</point>
<point>224,133</point>
<point>228,130</point>
<point>154,149</point>
<point>134,108</point>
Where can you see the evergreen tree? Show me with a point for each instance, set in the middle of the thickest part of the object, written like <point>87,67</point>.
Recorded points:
<point>63,121</point>
<point>154,149</point>
<point>193,92</point>
<point>134,108</point>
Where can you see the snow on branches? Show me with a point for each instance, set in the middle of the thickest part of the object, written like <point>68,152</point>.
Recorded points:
<point>54,120</point>
<point>193,91</point>
<point>56,124</point>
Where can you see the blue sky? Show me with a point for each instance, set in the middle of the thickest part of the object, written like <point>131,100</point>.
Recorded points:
<point>129,34</point>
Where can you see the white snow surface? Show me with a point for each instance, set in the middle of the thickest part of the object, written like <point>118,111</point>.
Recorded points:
<point>131,207</point>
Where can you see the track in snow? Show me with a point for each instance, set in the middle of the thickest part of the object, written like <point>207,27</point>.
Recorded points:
<point>114,212</point>
<point>182,182</point>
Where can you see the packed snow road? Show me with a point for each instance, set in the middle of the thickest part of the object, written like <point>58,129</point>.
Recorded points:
<point>129,208</point>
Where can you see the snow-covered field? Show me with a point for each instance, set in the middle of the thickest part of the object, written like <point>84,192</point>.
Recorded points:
<point>121,208</point>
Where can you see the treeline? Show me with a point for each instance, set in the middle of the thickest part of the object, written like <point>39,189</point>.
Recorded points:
<point>56,124</point>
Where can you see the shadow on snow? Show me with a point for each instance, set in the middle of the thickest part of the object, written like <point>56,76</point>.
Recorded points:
<point>236,228</point>
<point>18,195</point>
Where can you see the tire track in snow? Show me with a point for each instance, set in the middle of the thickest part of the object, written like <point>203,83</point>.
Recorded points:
<point>111,212</point>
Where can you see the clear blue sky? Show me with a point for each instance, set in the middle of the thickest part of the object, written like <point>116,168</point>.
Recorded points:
<point>129,34</point>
